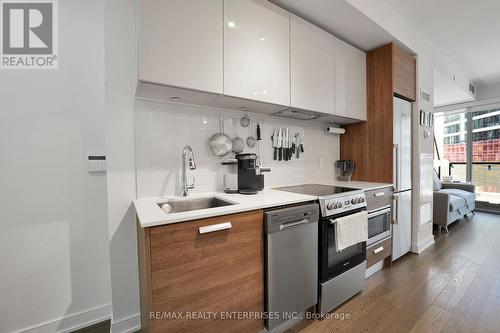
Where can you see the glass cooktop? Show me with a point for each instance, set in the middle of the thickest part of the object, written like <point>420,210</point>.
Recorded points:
<point>316,189</point>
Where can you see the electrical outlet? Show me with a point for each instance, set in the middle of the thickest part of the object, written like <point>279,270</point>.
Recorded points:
<point>321,162</point>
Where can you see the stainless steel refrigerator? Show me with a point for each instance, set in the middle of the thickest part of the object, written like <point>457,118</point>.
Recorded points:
<point>401,229</point>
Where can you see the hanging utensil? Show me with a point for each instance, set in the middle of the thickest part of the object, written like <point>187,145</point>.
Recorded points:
<point>259,138</point>
<point>251,138</point>
<point>245,121</point>
<point>299,144</point>
<point>275,144</point>
<point>220,143</point>
<point>260,169</point>
<point>238,144</point>
<point>287,145</point>
<point>280,144</point>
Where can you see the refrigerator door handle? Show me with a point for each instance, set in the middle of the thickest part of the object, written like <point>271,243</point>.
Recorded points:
<point>395,166</point>
<point>395,213</point>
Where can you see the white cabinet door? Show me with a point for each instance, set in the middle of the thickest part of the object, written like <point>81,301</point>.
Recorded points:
<point>312,66</point>
<point>256,51</point>
<point>350,81</point>
<point>181,43</point>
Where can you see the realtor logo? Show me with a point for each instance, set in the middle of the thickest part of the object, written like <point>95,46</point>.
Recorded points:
<point>29,34</point>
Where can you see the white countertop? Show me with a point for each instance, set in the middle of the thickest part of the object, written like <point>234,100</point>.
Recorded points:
<point>150,214</point>
<point>365,186</point>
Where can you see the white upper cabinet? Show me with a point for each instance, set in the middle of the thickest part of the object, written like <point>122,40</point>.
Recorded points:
<point>256,51</point>
<point>181,43</point>
<point>312,67</point>
<point>350,81</point>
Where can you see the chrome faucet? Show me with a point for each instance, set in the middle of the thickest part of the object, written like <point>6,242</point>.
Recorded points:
<point>188,153</point>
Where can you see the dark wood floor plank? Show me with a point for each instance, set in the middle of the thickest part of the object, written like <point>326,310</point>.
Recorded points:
<point>433,320</point>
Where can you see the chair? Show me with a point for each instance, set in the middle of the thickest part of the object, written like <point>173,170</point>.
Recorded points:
<point>452,201</point>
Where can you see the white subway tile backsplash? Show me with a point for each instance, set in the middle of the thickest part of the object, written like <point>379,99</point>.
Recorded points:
<point>162,130</point>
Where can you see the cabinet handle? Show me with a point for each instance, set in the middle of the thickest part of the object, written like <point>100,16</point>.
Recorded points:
<point>395,167</point>
<point>395,210</point>
<point>378,250</point>
<point>379,194</point>
<point>215,227</point>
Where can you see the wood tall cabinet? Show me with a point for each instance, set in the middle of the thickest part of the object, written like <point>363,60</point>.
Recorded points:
<point>404,74</point>
<point>390,72</point>
<point>184,271</point>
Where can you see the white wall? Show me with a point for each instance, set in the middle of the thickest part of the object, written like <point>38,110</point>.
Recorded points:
<point>54,234</point>
<point>428,58</point>
<point>121,80</point>
<point>162,130</point>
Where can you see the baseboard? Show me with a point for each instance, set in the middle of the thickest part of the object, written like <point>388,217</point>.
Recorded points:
<point>127,325</point>
<point>486,210</point>
<point>420,247</point>
<point>72,322</point>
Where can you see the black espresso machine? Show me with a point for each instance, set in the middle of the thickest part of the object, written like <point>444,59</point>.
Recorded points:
<point>250,177</point>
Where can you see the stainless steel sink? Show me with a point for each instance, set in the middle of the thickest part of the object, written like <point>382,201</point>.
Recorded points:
<point>185,205</point>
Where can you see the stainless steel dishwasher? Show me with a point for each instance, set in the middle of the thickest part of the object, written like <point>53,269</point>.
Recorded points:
<point>291,262</point>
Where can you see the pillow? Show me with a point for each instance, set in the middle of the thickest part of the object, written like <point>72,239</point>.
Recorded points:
<point>437,182</point>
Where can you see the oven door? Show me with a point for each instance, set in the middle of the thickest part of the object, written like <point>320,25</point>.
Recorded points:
<point>332,262</point>
<point>379,225</point>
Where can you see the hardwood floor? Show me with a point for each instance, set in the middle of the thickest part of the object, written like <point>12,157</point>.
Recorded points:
<point>454,286</point>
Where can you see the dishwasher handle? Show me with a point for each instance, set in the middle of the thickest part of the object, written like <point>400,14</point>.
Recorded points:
<point>294,224</point>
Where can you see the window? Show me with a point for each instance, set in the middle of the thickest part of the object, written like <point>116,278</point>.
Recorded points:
<point>451,118</point>
<point>486,122</point>
<point>451,143</point>
<point>452,129</point>
<point>482,165</point>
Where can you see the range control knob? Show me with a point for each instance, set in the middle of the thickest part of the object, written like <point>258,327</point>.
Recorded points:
<point>339,204</point>
<point>354,201</point>
<point>361,199</point>
<point>330,206</point>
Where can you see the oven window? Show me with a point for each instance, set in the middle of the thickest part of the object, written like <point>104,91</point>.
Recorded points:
<point>379,224</point>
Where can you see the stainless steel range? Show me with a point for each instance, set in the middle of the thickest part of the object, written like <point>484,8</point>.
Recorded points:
<point>341,273</point>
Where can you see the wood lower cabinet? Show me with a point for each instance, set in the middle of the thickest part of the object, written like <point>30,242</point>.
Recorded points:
<point>183,271</point>
<point>379,251</point>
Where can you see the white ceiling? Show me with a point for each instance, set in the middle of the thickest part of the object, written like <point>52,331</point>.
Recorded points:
<point>341,19</point>
<point>446,92</point>
<point>466,32</point>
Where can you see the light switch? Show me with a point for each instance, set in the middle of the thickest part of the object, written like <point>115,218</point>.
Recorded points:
<point>321,162</point>
<point>97,163</point>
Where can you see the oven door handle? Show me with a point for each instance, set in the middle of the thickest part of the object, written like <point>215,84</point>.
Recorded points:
<point>380,212</point>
